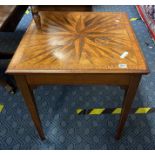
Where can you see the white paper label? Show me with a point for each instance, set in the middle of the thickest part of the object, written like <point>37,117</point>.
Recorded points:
<point>124,54</point>
<point>122,65</point>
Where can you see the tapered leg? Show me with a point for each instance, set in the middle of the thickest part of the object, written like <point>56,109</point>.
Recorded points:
<point>30,102</point>
<point>128,99</point>
<point>36,16</point>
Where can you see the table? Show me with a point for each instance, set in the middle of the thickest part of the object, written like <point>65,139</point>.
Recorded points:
<point>37,8</point>
<point>79,48</point>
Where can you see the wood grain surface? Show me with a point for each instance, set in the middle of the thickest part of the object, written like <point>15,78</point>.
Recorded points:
<point>79,42</point>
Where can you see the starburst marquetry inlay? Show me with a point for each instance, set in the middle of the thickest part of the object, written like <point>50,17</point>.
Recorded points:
<point>74,41</point>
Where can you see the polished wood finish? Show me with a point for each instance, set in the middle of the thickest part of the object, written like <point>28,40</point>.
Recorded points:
<point>128,99</point>
<point>60,8</point>
<point>79,42</point>
<point>79,48</point>
<point>36,17</point>
<point>29,98</point>
<point>79,78</point>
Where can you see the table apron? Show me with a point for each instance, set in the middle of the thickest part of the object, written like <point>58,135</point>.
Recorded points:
<point>109,79</point>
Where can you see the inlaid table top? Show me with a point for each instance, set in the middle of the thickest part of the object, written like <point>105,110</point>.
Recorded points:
<point>75,42</point>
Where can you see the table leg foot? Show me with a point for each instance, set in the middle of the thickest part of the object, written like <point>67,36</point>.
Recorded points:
<point>30,102</point>
<point>128,99</point>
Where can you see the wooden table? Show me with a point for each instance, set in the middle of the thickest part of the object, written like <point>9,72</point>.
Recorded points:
<point>79,48</point>
<point>37,8</point>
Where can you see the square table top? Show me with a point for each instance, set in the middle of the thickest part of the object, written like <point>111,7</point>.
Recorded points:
<point>79,42</point>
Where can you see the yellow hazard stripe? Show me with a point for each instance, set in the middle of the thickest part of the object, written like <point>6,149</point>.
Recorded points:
<point>133,19</point>
<point>1,107</point>
<point>117,111</point>
<point>78,111</point>
<point>142,110</point>
<point>114,111</point>
<point>97,111</point>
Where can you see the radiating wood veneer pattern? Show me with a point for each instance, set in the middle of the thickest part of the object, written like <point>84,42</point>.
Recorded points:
<point>79,42</point>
